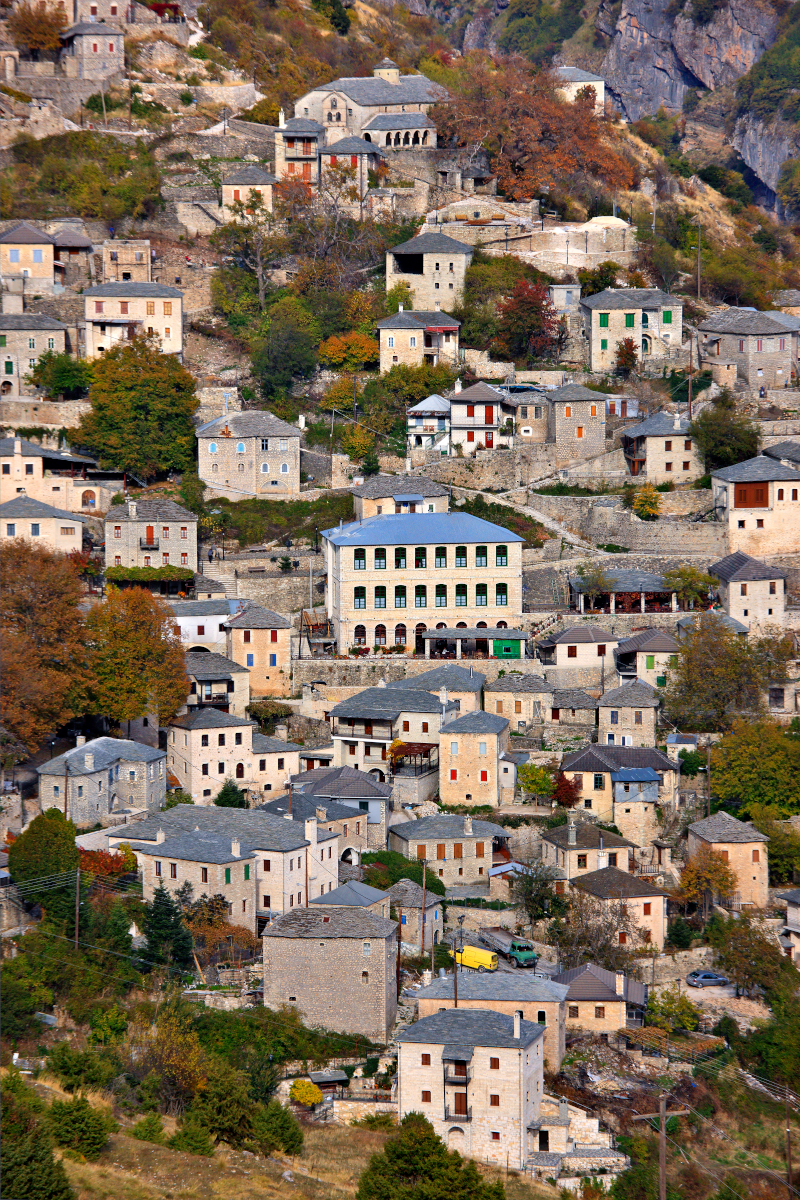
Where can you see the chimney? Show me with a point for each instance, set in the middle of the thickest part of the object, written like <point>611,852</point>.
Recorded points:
<point>437,306</point>
<point>471,671</point>
<point>572,834</point>
<point>160,836</point>
<point>287,816</point>
<point>620,986</point>
<point>321,814</point>
<point>601,841</point>
<point>563,1110</point>
<point>80,740</point>
<point>517,1026</point>
<point>236,848</point>
<point>281,118</point>
<point>457,386</point>
<point>381,683</point>
<point>399,308</point>
<point>89,761</point>
<point>311,830</point>
<point>467,824</point>
<point>676,424</point>
<point>18,445</point>
<point>443,696</point>
<point>132,509</point>
<point>282,731</point>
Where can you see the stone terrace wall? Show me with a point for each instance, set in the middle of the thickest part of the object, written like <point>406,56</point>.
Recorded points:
<point>603,519</point>
<point>48,414</point>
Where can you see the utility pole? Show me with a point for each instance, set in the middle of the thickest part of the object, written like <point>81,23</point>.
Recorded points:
<point>77,903</point>
<point>691,371</point>
<point>788,1144</point>
<point>662,1116</point>
<point>399,941</point>
<point>422,918</point>
<point>455,972</point>
<point>699,236</point>
<point>708,780</point>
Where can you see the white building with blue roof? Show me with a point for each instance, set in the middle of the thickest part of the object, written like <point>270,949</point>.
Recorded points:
<point>393,578</point>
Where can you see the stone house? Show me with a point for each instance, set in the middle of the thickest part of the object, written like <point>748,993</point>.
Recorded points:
<point>104,780</point>
<point>275,760</point>
<point>297,145</point>
<point>647,656</point>
<point>572,418</point>
<point>127,260</point>
<point>660,449</point>
<point>572,708</point>
<point>291,860</point>
<point>217,682</point>
<point>201,624</point>
<point>524,699</point>
<point>380,494</point>
<point>628,715</point>
<point>249,454</point>
<point>415,337</point>
<point>215,864</point>
<point>757,345</point>
<point>758,501</point>
<point>576,657</point>
<point>347,105</point>
<point>206,747</point>
<point>459,568</point>
<point>242,183</point>
<point>652,319</point>
<point>472,756</point>
<point>481,416</point>
<point>464,685</point>
<point>24,338</point>
<point>751,591</point>
<point>593,768</point>
<point>406,899</point>
<point>790,934</point>
<point>70,481</point>
<point>73,256</point>
<point>93,50</point>
<point>619,891</point>
<point>337,966</point>
<point>787,452</point>
<point>428,428</point>
<point>151,532</point>
<point>433,266</point>
<point>601,1001</point>
<point>635,809</point>
<point>42,525</point>
<point>401,130</point>
<point>27,255</point>
<point>364,726</point>
<point>580,848</point>
<point>366,802</point>
<point>349,826</point>
<point>355,894</point>
<point>742,847</point>
<point>355,154</point>
<point>538,1000</point>
<point>261,641</point>
<point>478,1076</point>
<point>460,850</point>
<point>570,81</point>
<point>116,312</point>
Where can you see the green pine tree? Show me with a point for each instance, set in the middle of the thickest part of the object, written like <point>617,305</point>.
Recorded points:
<point>224,1105</point>
<point>192,1138</point>
<point>75,1125</point>
<point>276,1128</point>
<point>231,796</point>
<point>168,939</point>
<point>29,1170</point>
<point>150,1129</point>
<point>418,1166</point>
<point>46,848</point>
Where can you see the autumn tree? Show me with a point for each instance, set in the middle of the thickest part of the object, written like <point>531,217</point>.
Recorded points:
<point>529,328</point>
<point>566,792</point>
<point>142,405</point>
<point>597,279</point>
<point>626,356</point>
<point>349,351</point>
<point>591,932</point>
<point>750,957</point>
<point>707,875</point>
<point>167,1059</point>
<point>534,892</point>
<point>533,136</point>
<point>647,503</point>
<point>669,1009</point>
<point>595,580</point>
<point>254,239</point>
<point>42,642</point>
<point>37,31</point>
<point>357,442</point>
<point>691,585</point>
<point>756,763</point>
<point>534,780</point>
<point>137,660</point>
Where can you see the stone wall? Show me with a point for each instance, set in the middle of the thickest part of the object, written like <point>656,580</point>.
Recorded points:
<point>604,519</point>
<point>346,1112</point>
<point>49,414</point>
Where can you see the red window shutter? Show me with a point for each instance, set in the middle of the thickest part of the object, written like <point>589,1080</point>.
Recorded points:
<point>334,160</point>
<point>489,414</point>
<point>273,635</point>
<point>470,410</point>
<point>353,160</point>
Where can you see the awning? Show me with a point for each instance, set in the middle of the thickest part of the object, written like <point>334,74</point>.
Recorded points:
<point>510,635</point>
<point>406,499</point>
<point>457,1053</point>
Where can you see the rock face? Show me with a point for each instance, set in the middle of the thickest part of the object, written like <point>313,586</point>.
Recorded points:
<point>655,56</point>
<point>766,147</point>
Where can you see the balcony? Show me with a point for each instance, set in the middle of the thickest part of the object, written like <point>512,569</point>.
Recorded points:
<point>452,1076</point>
<point>460,1118</point>
<point>148,543</point>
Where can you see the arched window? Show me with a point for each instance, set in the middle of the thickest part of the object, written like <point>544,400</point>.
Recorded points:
<point>420,596</point>
<point>88,500</point>
<point>365,977</point>
<point>214,468</point>
<point>441,595</point>
<point>400,596</point>
<point>501,556</point>
<point>440,556</point>
<point>415,140</point>
<point>441,625</point>
<point>380,558</point>
<point>481,625</point>
<point>399,635</point>
<point>461,625</point>
<point>359,597</point>
<point>380,635</point>
<point>388,139</point>
<point>481,598</point>
<point>330,116</point>
<point>265,468</point>
<point>366,137</point>
<point>241,468</point>
<point>380,596</point>
<point>501,595</point>
<point>360,635</point>
<point>338,116</point>
<point>359,560</point>
<point>502,624</point>
<point>284,468</point>
<point>406,138</point>
<point>212,447</point>
<point>240,770</point>
<point>425,138</point>
<point>240,447</point>
<point>461,595</point>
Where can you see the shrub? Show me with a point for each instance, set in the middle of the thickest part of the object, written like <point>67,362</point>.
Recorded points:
<point>303,1091</point>
<point>75,1125</point>
<point>192,1138</point>
<point>79,1068</point>
<point>276,1128</point>
<point>150,1129</point>
<point>680,934</point>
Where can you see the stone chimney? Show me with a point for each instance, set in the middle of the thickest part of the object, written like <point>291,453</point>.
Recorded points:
<point>282,731</point>
<point>467,824</point>
<point>287,816</point>
<point>399,308</point>
<point>676,424</point>
<point>563,1110</point>
<point>620,984</point>
<point>381,683</point>
<point>160,836</point>
<point>236,847</point>
<point>443,696</point>
<point>18,445</point>
<point>80,740</point>
<point>572,834</point>
<point>517,1026</point>
<point>311,830</point>
<point>427,977</point>
<point>89,761</point>
<point>457,386</point>
<point>437,306</point>
<point>281,118</point>
<point>132,509</point>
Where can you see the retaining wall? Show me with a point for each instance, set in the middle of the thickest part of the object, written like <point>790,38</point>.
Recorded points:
<point>345,1112</point>
<point>50,414</point>
<point>604,519</point>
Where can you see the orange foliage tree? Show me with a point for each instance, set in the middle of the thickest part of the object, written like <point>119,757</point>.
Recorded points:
<point>103,862</point>
<point>534,137</point>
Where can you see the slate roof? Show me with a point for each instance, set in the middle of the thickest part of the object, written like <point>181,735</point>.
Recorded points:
<point>534,684</point>
<point>383,702</point>
<point>203,608</point>
<point>793,897</point>
<point>333,923</point>
<point>339,782</point>
<point>476,393</point>
<point>590,982</point>
<point>432,243</point>
<point>490,631</point>
<point>256,617</point>
<point>469,1027</point>
<point>301,125</point>
<point>26,506</point>
<point>352,894</point>
<point>372,91</point>
<point>254,827</point>
<point>210,718</point>
<point>212,666</point>
<point>612,758</point>
<point>661,424</point>
<point>399,529</point>
<point>634,775</point>
<point>572,392</point>
<point>249,424</point>
<point>787,449</point>
<point>637,694</point>
<point>576,75</point>
<point>132,289</point>
<point>455,679</point>
<point>625,581</point>
<point>196,846</point>
<point>94,28</point>
<point>352,145</point>
<point>401,120</point>
<point>654,641</point>
<point>577,635</point>
<point>446,825</point>
<point>106,751</point>
<point>31,449</point>
<point>378,487</point>
<point>741,320</point>
<point>29,321</point>
<point>572,698</point>
<point>431,404</point>
<point>418,319</point>
<point>408,894</point>
<point>149,508</point>
<point>612,884</point>
<point>722,827</point>
<point>628,298</point>
<point>476,722</point>
<point>587,837</point>
<point>754,470</point>
<point>69,239</point>
<point>25,234</point>
<point>262,744</point>
<point>251,174</point>
<point>787,320</point>
<point>494,985</point>
<point>304,807</point>
<point>688,620</point>
<point>738,566</point>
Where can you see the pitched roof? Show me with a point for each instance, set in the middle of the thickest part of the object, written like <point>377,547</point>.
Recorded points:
<point>256,617</point>
<point>106,751</point>
<point>739,565</point>
<point>205,665</point>
<point>477,631</point>
<point>447,825</point>
<point>637,694</point>
<point>612,758</point>
<point>264,744</point>
<point>339,783</point>
<point>590,982</point>
<point>372,91</point>
<point>418,319</point>
<point>657,641</point>
<point>254,827</point>
<point>378,487</point>
<point>576,75</point>
<point>648,298</point>
<point>26,506</point>
<point>384,702</point>
<point>132,289</point>
<point>573,698</point>
<point>587,837</point>
<point>578,634</point>
<point>70,239</point>
<point>469,1027</point>
<point>419,529</point>
<point>661,424</point>
<point>432,243</point>
<point>210,718</point>
<point>753,470</point>
<point>688,620</point>
<point>352,145</point>
<point>203,608</point>
<point>476,722</point>
<point>625,581</point>
<point>408,894</point>
<point>401,120</point>
<point>253,423</point>
<point>431,404</point>
<point>25,234</point>
<point>448,675</point>
<point>301,125</point>
<point>304,807</point>
<point>255,176</point>
<point>352,894</point>
<point>612,884</point>
<point>740,320</point>
<point>33,450</point>
<point>149,508</point>
<point>722,827</point>
<point>494,985</point>
<point>793,897</point>
<point>25,321</point>
<point>196,846</point>
<point>513,682</point>
<point>575,393</point>
<point>790,298</point>
<point>476,393</point>
<point>330,923</point>
<point>94,28</point>
<point>787,449</point>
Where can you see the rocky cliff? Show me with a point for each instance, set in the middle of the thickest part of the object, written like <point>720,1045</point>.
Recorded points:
<point>765,147</point>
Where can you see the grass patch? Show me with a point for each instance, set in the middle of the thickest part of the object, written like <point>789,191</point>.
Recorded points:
<point>574,489</point>
<point>264,520</point>
<point>531,530</point>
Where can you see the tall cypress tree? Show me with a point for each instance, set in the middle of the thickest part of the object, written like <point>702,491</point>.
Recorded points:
<point>168,939</point>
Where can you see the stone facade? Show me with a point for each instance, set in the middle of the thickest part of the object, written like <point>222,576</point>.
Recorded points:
<point>661,450</point>
<point>743,847</point>
<point>249,454</point>
<point>751,592</point>
<point>114,312</point>
<point>52,477</point>
<point>634,899</point>
<point>213,865</point>
<point>208,746</point>
<point>93,50</point>
<point>346,106</point>
<point>591,850</point>
<point>262,641</point>
<point>471,761</point>
<point>40,524</point>
<point>523,699</point>
<point>338,967</point>
<point>24,338</point>
<point>151,532</point>
<point>432,266</point>
<point>243,184</point>
<point>757,502</point>
<point>415,337</point>
<point>759,347</point>
<point>628,716</point>
<point>216,680</point>
<point>126,260</point>
<point>398,494</point>
<point>364,727</point>
<point>27,255</point>
<point>458,849</point>
<point>651,318</point>
<point>593,766</point>
<point>104,779</point>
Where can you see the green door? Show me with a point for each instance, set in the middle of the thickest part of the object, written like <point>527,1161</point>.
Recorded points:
<point>506,649</point>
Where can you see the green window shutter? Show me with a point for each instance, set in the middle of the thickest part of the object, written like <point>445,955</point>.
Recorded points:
<point>603,343</point>
<point>247,870</point>
<point>666,317</point>
<point>661,681</point>
<point>673,660</point>
<point>2,339</point>
<point>629,319</point>
<point>651,662</point>
<point>9,368</point>
<point>227,874</point>
<point>604,320</point>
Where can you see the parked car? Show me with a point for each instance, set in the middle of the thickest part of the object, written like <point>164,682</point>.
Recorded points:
<point>478,960</point>
<point>703,979</point>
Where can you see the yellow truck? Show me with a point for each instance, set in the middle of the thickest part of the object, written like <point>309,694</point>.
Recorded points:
<point>475,959</point>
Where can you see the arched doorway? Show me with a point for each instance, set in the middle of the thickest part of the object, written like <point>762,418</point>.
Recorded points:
<point>350,855</point>
<point>645,345</point>
<point>455,1139</point>
<point>378,774</point>
<point>419,642</point>
<point>240,770</point>
<point>88,500</point>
